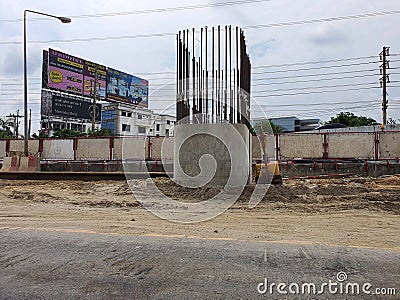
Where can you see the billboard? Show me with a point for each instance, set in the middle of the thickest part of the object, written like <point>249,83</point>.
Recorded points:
<point>75,75</point>
<point>127,88</point>
<point>90,70</point>
<point>65,72</point>
<point>69,106</point>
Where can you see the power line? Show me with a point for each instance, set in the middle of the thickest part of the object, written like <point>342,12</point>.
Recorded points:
<point>91,39</point>
<point>367,15</point>
<point>316,87</point>
<point>258,104</point>
<point>316,104</point>
<point>315,62</point>
<point>314,80</point>
<point>255,96</point>
<point>149,11</point>
<point>257,79</point>
<point>322,110</point>
<point>254,67</point>
<point>259,84</point>
<point>313,75</point>
<point>316,68</point>
<point>315,92</point>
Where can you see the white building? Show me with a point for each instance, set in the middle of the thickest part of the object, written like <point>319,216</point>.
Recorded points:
<point>124,119</point>
<point>51,123</point>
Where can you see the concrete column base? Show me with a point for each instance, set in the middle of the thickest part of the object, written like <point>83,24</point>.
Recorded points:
<point>212,154</point>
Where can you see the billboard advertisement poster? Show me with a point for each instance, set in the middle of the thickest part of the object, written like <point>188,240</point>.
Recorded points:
<point>65,80</point>
<point>65,72</point>
<point>127,88</point>
<point>63,105</point>
<point>71,74</point>
<point>65,61</point>
<point>90,69</point>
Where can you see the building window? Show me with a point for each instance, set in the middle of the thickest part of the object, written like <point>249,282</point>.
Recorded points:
<point>157,127</point>
<point>141,129</point>
<point>168,122</point>
<point>123,113</point>
<point>126,127</point>
<point>129,114</point>
<point>139,116</point>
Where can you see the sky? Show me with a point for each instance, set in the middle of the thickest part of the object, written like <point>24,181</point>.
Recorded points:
<point>277,51</point>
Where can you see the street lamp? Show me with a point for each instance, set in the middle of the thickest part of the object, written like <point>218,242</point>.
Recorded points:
<point>63,20</point>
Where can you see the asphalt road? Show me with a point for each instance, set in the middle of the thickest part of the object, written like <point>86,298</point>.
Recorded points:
<point>38,264</point>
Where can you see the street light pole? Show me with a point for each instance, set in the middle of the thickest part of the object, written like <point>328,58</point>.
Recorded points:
<point>26,133</point>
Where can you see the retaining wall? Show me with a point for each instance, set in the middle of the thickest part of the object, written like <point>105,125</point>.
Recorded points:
<point>355,145</point>
<point>132,148</point>
<point>58,149</point>
<point>93,148</point>
<point>389,145</point>
<point>284,147</point>
<point>300,145</point>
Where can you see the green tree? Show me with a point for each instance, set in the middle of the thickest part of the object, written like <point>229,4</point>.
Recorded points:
<point>41,135</point>
<point>67,133</point>
<point>266,126</point>
<point>351,120</point>
<point>5,131</point>
<point>100,132</point>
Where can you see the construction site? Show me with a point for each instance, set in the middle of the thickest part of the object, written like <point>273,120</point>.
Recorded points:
<point>205,198</point>
<point>337,188</point>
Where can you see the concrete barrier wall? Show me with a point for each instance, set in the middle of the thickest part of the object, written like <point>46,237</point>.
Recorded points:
<point>162,148</point>
<point>93,149</point>
<point>355,145</point>
<point>301,146</point>
<point>389,144</point>
<point>18,146</point>
<point>58,149</point>
<point>134,148</point>
<point>3,148</point>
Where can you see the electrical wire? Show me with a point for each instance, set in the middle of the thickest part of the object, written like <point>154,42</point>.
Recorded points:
<point>316,87</point>
<point>315,80</point>
<point>315,62</point>
<point>148,11</point>
<point>315,68</point>
<point>367,15</point>
<point>313,75</point>
<point>253,67</point>
<point>315,92</point>
<point>92,39</point>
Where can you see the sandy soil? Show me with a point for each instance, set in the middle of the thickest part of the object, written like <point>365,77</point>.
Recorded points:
<point>359,212</point>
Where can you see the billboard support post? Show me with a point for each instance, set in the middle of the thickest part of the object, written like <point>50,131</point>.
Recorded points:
<point>26,133</point>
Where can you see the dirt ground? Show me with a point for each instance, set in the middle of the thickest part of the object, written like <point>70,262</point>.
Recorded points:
<point>359,212</point>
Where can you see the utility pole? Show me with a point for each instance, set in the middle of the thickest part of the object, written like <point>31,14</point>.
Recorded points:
<point>384,79</point>
<point>94,99</point>
<point>16,122</point>
<point>30,122</point>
